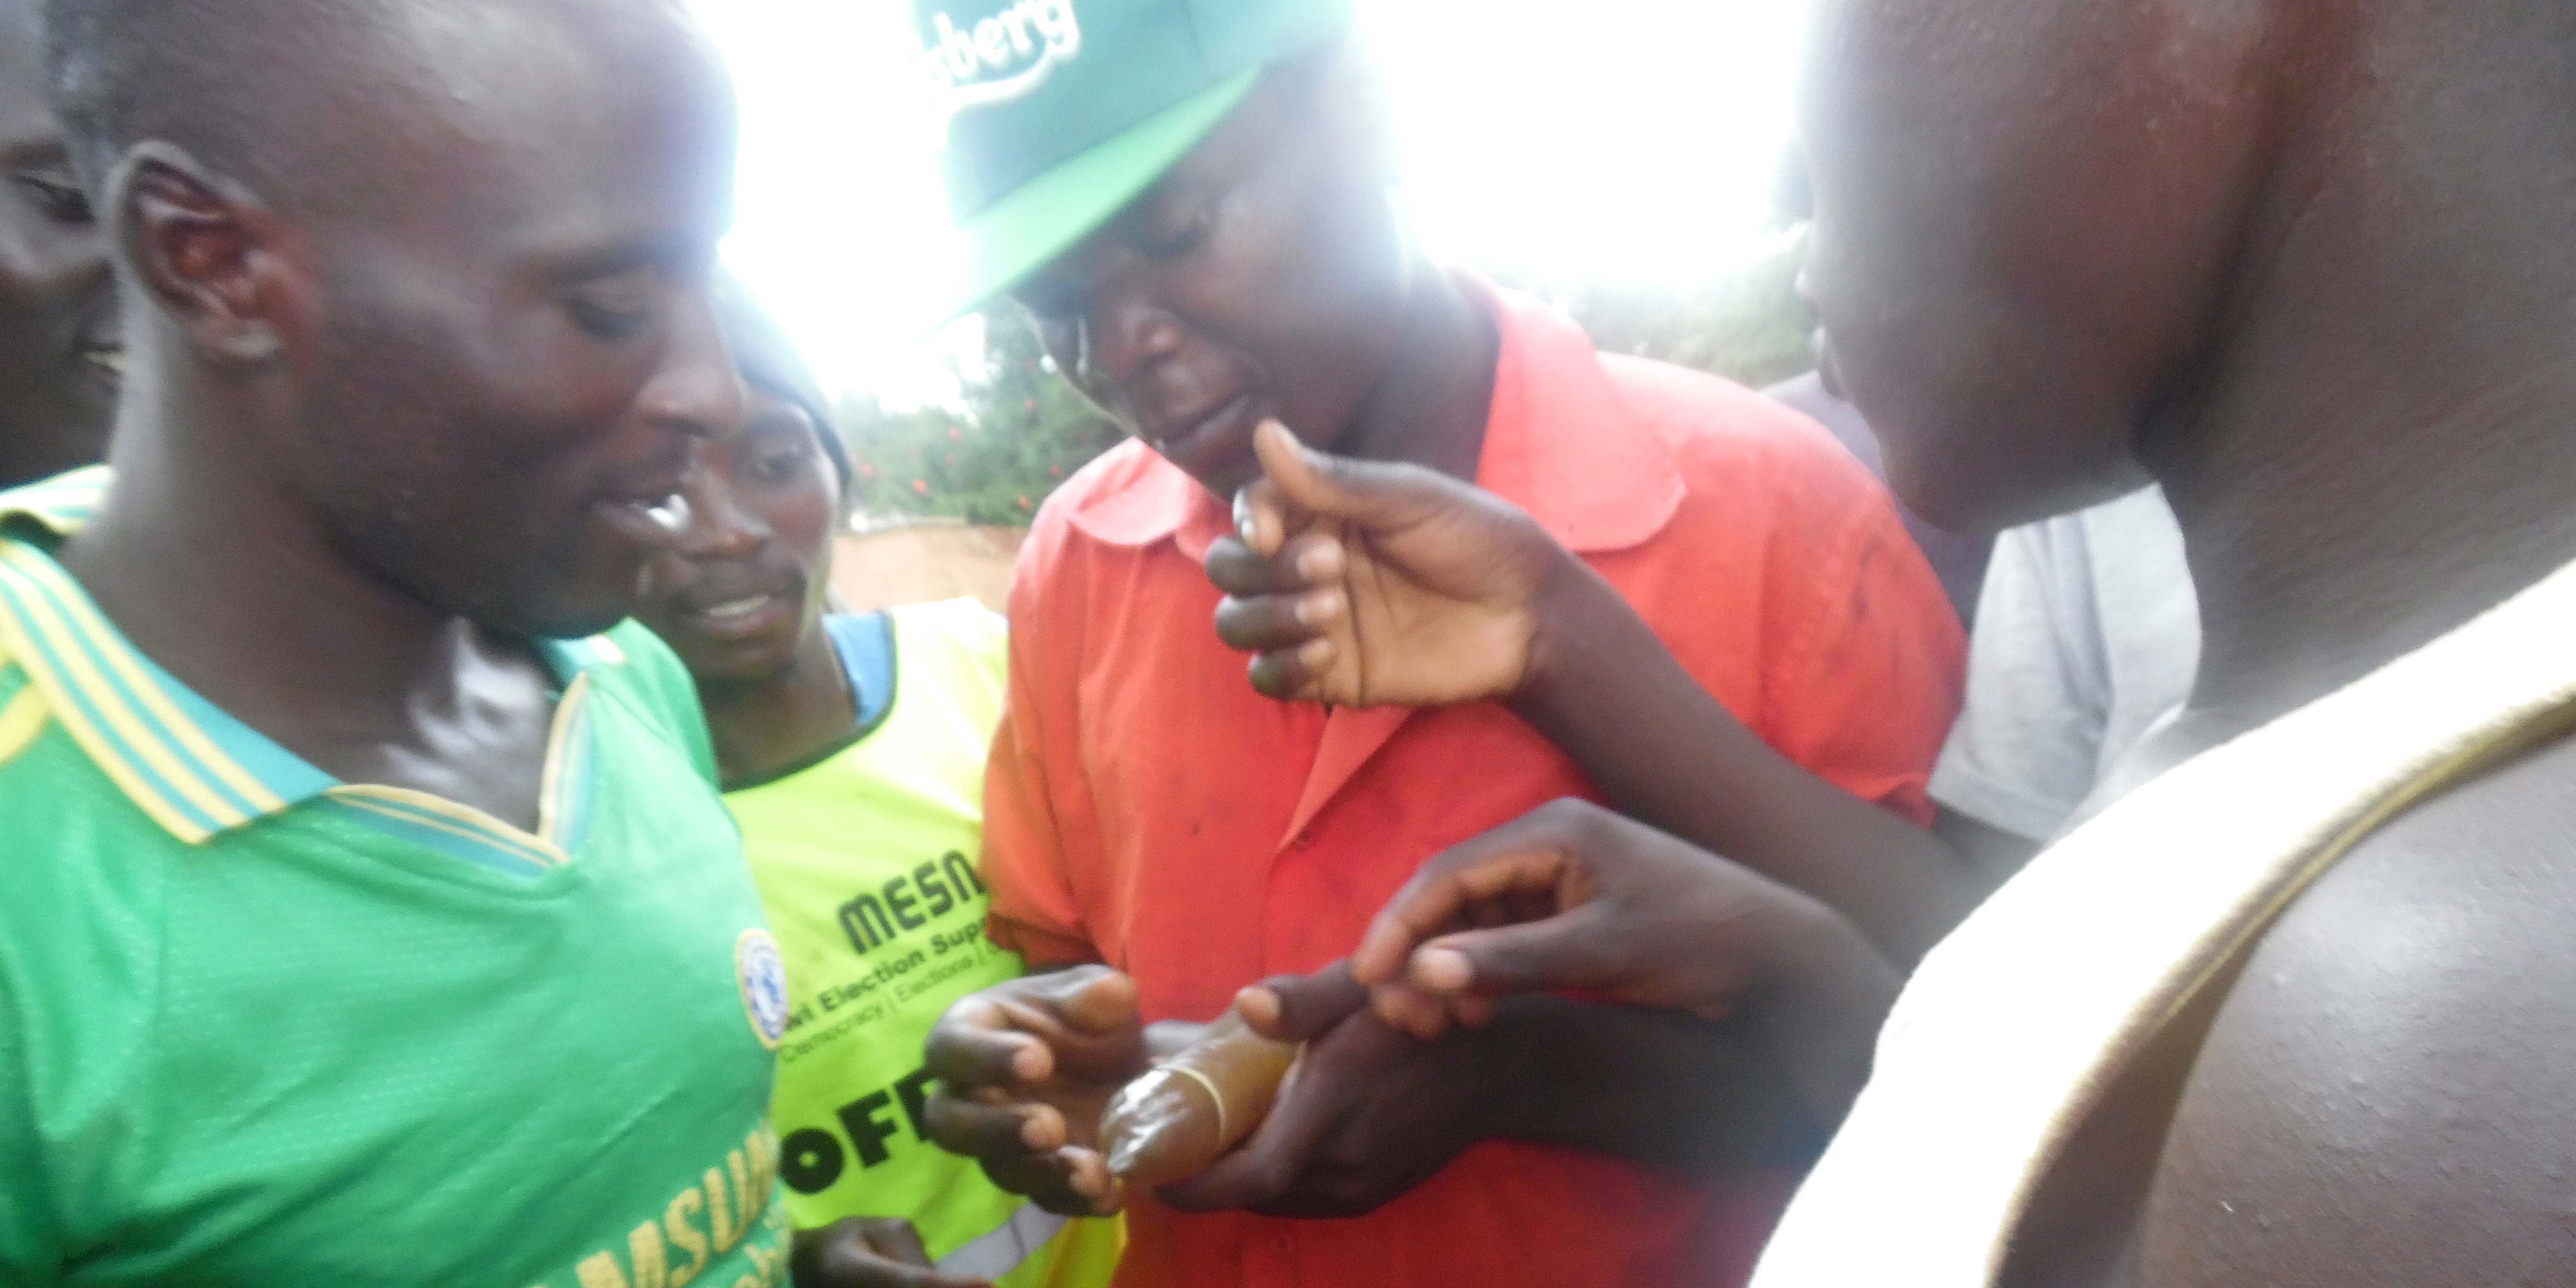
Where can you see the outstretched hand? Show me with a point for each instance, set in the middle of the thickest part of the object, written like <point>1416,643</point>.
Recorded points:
<point>1366,1114</point>
<point>1023,1070</point>
<point>1574,898</point>
<point>1569,897</point>
<point>1355,583</point>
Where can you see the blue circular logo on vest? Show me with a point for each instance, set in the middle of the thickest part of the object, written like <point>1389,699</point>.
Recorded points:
<point>763,976</point>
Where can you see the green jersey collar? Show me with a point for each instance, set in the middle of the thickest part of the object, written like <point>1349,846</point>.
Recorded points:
<point>191,767</point>
<point>59,505</point>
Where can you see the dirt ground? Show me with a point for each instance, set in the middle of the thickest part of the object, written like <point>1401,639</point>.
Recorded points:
<point>924,563</point>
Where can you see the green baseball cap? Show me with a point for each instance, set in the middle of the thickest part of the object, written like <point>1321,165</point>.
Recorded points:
<point>1060,112</point>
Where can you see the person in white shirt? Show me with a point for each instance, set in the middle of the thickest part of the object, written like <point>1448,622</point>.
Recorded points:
<point>2087,637</point>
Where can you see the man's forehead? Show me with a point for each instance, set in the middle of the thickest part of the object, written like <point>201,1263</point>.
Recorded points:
<point>583,123</point>
<point>564,63</point>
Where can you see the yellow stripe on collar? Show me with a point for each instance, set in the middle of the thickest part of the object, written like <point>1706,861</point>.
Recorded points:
<point>61,504</point>
<point>109,729</point>
<point>22,717</point>
<point>185,737</point>
<point>441,814</point>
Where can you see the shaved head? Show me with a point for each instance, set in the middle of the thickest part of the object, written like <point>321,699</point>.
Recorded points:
<point>319,105</point>
<point>123,71</point>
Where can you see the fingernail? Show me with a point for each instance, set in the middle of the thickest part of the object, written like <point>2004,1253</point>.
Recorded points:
<point>1321,562</point>
<point>1443,970</point>
<point>1029,1063</point>
<point>1319,608</point>
<point>1315,655</point>
<point>1259,1005</point>
<point>1041,1130</point>
<point>1388,1005</point>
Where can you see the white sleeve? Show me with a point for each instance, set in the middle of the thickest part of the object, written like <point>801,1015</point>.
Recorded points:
<point>2027,747</point>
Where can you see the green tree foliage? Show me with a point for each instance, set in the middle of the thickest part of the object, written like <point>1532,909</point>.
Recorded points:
<point>1748,326</point>
<point>1022,431</point>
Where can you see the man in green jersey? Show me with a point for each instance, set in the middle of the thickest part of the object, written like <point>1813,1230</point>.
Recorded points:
<point>367,918</point>
<point>861,805</point>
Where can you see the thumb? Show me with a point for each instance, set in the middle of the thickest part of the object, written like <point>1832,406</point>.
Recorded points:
<point>1370,494</point>
<point>1298,1008</point>
<point>900,1243</point>
<point>1556,954</point>
<point>1104,1004</point>
<point>898,1239</point>
<point>868,1252</point>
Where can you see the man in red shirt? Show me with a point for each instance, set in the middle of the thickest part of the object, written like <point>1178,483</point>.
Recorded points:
<point>1231,257</point>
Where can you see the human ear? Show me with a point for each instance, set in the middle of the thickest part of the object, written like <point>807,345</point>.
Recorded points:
<point>203,248</point>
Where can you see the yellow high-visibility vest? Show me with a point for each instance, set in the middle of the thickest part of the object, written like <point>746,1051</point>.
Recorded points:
<point>865,862</point>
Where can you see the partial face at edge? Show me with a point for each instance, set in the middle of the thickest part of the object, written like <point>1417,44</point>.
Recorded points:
<point>61,354</point>
<point>2025,209</point>
<point>1265,275</point>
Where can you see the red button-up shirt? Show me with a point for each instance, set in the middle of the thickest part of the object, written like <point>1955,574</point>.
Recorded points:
<point>1147,809</point>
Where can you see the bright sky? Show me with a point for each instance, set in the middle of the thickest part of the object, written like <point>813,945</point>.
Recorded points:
<point>1622,139</point>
